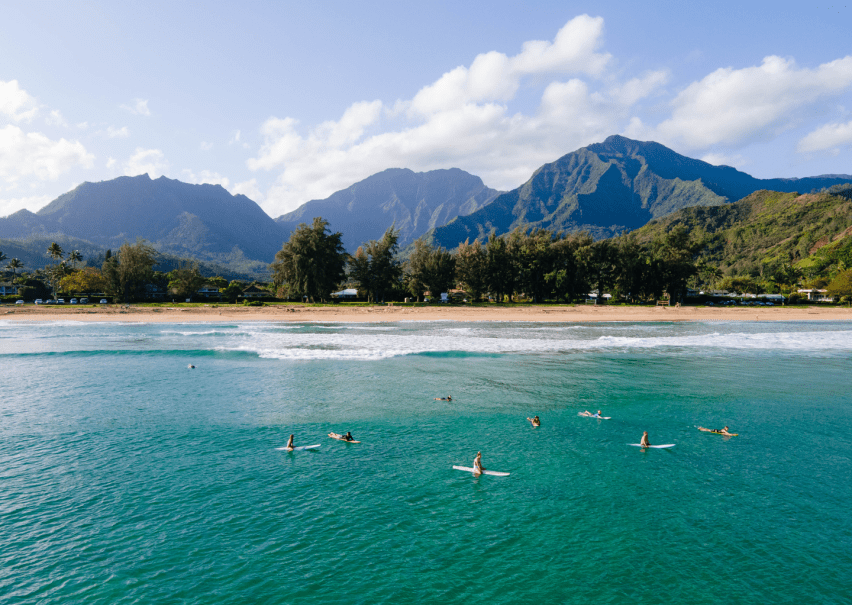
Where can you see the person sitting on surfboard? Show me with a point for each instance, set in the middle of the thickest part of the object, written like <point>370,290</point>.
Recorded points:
<point>289,445</point>
<point>477,464</point>
<point>644,442</point>
<point>535,421</point>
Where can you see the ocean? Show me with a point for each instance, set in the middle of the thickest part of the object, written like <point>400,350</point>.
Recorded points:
<point>127,477</point>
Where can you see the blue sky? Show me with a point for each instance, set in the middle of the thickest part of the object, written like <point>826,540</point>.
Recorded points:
<point>287,102</point>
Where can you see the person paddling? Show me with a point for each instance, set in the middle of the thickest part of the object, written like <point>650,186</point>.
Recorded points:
<point>723,431</point>
<point>477,464</point>
<point>644,442</point>
<point>447,398</point>
<point>535,421</point>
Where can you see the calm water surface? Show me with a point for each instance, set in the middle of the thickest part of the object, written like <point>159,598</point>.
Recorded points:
<point>125,477</point>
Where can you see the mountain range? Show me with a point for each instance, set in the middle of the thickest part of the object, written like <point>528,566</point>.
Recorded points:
<point>412,202</point>
<point>606,188</point>
<point>612,187</point>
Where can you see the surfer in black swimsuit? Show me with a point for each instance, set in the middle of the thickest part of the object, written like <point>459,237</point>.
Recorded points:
<point>447,398</point>
<point>348,436</point>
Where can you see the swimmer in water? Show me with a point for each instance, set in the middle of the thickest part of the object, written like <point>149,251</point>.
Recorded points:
<point>535,421</point>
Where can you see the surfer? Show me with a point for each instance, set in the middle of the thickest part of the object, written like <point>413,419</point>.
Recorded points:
<point>723,431</point>
<point>534,421</point>
<point>289,445</point>
<point>644,442</point>
<point>477,464</point>
<point>348,436</point>
<point>447,398</point>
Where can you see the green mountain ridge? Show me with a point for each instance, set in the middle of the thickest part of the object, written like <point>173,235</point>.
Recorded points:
<point>613,187</point>
<point>767,232</point>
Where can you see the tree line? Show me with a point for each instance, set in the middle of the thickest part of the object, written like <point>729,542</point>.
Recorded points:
<point>538,264</point>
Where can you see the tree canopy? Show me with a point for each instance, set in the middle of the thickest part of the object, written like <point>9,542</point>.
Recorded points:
<point>311,264</point>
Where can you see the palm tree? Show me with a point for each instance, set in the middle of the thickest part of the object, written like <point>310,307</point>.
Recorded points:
<point>55,251</point>
<point>75,257</point>
<point>14,265</point>
<point>2,256</point>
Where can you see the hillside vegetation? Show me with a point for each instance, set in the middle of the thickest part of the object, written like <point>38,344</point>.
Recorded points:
<point>769,234</point>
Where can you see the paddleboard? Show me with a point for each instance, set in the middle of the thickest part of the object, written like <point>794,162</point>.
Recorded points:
<point>593,416</point>
<point>299,448</point>
<point>485,472</point>
<point>656,447</point>
<point>340,438</point>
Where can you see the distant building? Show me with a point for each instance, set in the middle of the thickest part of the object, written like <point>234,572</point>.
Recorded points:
<point>817,295</point>
<point>8,288</point>
<point>254,292</point>
<point>347,294</point>
<point>772,297</point>
<point>208,291</point>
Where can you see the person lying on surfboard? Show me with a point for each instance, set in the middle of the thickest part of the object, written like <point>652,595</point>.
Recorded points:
<point>644,442</point>
<point>723,431</point>
<point>477,464</point>
<point>289,445</point>
<point>590,415</point>
<point>447,398</point>
<point>535,421</point>
<point>348,436</point>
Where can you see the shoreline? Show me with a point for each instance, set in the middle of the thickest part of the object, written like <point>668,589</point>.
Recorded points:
<point>533,313</point>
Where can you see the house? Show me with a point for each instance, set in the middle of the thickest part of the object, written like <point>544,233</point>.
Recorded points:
<point>772,297</point>
<point>8,288</point>
<point>817,295</point>
<point>254,292</point>
<point>347,294</point>
<point>208,291</point>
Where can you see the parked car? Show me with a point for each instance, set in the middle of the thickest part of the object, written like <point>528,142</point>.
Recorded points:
<point>73,301</point>
<point>103,301</point>
<point>60,301</point>
<point>84,301</point>
<point>19,302</point>
<point>39,301</point>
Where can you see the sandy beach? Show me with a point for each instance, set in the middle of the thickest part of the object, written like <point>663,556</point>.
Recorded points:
<point>380,313</point>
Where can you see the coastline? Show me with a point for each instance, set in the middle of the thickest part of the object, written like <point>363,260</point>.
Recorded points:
<point>533,313</point>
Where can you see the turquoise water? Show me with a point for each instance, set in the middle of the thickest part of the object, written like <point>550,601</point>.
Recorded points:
<point>128,478</point>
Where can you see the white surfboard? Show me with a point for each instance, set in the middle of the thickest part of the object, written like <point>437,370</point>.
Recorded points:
<point>593,416</point>
<point>299,448</point>
<point>485,472</point>
<point>656,447</point>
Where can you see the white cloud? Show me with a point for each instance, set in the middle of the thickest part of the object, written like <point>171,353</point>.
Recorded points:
<point>829,137</point>
<point>741,106</point>
<point>33,203</point>
<point>83,125</point>
<point>205,146</point>
<point>34,155</point>
<point>463,120</point>
<point>55,119</point>
<point>235,138</point>
<point>724,159</point>
<point>15,103</point>
<point>111,162</point>
<point>205,176</point>
<point>150,161</point>
<point>116,133</point>
<point>249,189</point>
<point>495,77</point>
<point>139,107</point>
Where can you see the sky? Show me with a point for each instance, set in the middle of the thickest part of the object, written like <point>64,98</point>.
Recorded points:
<point>287,102</point>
